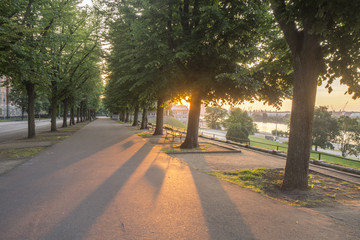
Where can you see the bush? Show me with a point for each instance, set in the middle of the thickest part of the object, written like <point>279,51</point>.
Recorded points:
<point>237,132</point>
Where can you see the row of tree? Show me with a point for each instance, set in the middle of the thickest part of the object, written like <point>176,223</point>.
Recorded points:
<point>344,130</point>
<point>51,48</point>
<point>231,51</point>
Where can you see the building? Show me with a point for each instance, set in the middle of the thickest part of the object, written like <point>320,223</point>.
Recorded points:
<point>7,109</point>
<point>180,112</point>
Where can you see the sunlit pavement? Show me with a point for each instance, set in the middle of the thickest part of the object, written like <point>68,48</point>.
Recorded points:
<point>104,182</point>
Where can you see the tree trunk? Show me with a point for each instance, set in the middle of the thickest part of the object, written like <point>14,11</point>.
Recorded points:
<point>53,114</point>
<point>77,114</point>
<point>306,70</point>
<point>136,116</point>
<point>159,117</point>
<point>30,89</point>
<point>316,147</point>
<point>80,112</point>
<point>144,119</point>
<point>122,115</point>
<point>127,115</point>
<point>65,113</point>
<point>191,139</point>
<point>72,116</point>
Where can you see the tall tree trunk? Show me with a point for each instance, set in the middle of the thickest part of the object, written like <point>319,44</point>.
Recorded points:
<point>122,115</point>
<point>81,112</point>
<point>306,70</point>
<point>191,139</point>
<point>159,117</point>
<point>136,116</point>
<point>78,115</point>
<point>66,102</point>
<point>127,115</point>
<point>144,119</point>
<point>72,115</point>
<point>30,89</point>
<point>53,113</point>
<point>307,62</point>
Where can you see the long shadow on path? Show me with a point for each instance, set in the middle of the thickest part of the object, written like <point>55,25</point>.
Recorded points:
<point>77,224</point>
<point>223,219</point>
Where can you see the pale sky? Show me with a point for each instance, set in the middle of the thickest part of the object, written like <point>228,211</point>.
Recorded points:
<point>86,2</point>
<point>335,100</point>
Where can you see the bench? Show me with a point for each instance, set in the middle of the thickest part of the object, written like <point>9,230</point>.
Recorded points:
<point>172,133</point>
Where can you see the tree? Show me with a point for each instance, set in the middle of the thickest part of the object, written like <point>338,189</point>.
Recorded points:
<point>349,136</point>
<point>214,117</point>
<point>239,116</point>
<point>214,48</point>
<point>239,125</point>
<point>324,41</point>
<point>325,128</point>
<point>34,36</point>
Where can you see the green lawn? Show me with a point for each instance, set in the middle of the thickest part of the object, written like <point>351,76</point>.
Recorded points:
<point>267,144</point>
<point>264,143</point>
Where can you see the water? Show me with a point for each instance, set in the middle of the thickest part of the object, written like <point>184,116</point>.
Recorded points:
<point>268,127</point>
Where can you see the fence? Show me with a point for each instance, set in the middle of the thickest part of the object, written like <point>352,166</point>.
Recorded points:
<point>331,158</point>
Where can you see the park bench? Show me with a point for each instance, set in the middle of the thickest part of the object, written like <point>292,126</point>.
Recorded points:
<point>172,133</point>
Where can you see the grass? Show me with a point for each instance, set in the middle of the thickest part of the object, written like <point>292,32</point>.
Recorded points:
<point>176,148</point>
<point>267,144</point>
<point>21,153</point>
<point>51,138</point>
<point>170,122</point>
<point>145,134</point>
<point>336,160</point>
<point>263,143</point>
<point>252,179</point>
<point>322,190</point>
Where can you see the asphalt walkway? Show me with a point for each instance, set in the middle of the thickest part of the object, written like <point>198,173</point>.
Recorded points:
<point>105,182</point>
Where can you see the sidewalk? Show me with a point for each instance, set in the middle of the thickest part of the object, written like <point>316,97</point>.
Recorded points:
<point>105,182</point>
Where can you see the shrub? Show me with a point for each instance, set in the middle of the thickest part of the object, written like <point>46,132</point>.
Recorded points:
<point>237,132</point>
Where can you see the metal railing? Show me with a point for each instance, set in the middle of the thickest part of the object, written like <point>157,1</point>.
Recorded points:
<point>180,132</point>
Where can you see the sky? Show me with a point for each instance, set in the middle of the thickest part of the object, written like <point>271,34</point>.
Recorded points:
<point>86,2</point>
<point>336,100</point>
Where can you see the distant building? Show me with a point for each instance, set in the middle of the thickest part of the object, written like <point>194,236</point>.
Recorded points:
<point>355,115</point>
<point>7,109</point>
<point>180,112</point>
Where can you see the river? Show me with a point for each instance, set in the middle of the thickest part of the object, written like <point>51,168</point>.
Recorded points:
<point>268,127</point>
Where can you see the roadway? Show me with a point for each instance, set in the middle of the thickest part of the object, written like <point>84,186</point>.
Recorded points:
<point>18,129</point>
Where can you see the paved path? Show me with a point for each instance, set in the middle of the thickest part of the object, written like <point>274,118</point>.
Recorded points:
<point>104,182</point>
